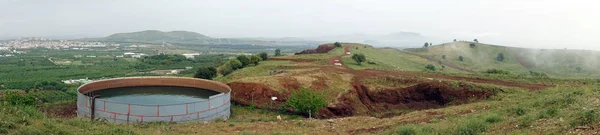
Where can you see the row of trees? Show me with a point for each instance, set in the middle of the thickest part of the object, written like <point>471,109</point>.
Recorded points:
<point>239,62</point>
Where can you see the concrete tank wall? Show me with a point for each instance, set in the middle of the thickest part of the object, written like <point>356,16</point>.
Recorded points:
<point>216,106</point>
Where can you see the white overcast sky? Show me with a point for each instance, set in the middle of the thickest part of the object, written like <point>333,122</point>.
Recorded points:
<point>525,23</point>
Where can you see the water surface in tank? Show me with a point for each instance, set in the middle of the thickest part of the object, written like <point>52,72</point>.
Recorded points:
<point>154,94</point>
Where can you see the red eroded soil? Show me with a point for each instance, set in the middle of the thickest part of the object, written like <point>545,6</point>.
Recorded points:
<point>255,94</point>
<point>293,60</point>
<point>289,83</point>
<point>361,100</point>
<point>320,83</point>
<point>321,49</point>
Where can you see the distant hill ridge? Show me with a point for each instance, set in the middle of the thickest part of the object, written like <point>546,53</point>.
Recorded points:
<point>155,35</point>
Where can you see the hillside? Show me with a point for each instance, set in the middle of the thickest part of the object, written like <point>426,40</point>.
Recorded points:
<point>481,57</point>
<point>390,93</point>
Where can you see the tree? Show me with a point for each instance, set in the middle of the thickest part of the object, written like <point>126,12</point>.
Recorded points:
<point>426,45</point>
<point>472,45</point>
<point>255,59</point>
<point>206,73</point>
<point>578,69</point>
<point>306,101</point>
<point>263,55</point>
<point>226,70</point>
<point>430,44</point>
<point>460,58</point>
<point>454,40</point>
<point>235,64</point>
<point>430,67</point>
<point>443,56</point>
<point>359,58</point>
<point>245,61</point>
<point>500,57</point>
<point>337,44</point>
<point>475,40</point>
<point>277,52</point>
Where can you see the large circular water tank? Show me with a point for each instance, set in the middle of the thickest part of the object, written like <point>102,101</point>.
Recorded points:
<point>148,99</point>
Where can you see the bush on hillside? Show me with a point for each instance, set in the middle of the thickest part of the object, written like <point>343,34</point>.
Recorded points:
<point>497,71</point>
<point>443,56</point>
<point>263,55</point>
<point>359,58</point>
<point>430,67</point>
<point>472,45</point>
<point>245,60</point>
<point>306,101</point>
<point>277,52</point>
<point>337,44</point>
<point>226,70</point>
<point>20,99</point>
<point>255,59</point>
<point>586,118</point>
<point>500,57</point>
<point>46,85</point>
<point>460,58</point>
<point>235,64</point>
<point>206,73</point>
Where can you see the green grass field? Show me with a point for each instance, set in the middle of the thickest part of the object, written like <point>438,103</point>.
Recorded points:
<point>481,57</point>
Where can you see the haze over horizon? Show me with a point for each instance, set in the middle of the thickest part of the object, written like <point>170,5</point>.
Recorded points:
<point>529,23</point>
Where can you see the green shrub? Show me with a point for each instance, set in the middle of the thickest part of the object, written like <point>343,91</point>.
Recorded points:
<point>226,70</point>
<point>263,55</point>
<point>337,44</point>
<point>461,58</point>
<point>16,98</point>
<point>255,59</point>
<point>493,118</point>
<point>585,118</point>
<point>277,52</point>
<point>206,73</point>
<point>306,101</point>
<point>359,58</point>
<point>430,67</point>
<point>244,60</point>
<point>471,127</point>
<point>235,64</point>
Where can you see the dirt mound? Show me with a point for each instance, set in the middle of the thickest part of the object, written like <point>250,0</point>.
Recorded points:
<point>255,94</point>
<point>321,49</point>
<point>293,60</point>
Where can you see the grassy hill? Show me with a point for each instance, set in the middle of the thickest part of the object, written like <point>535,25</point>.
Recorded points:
<point>481,57</point>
